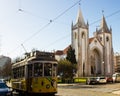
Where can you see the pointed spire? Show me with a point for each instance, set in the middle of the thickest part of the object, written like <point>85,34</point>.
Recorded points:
<point>87,23</point>
<point>110,29</point>
<point>80,18</point>
<point>103,25</point>
<point>72,24</point>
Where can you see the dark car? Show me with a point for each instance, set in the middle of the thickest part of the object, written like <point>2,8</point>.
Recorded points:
<point>5,90</point>
<point>109,79</point>
<point>91,80</point>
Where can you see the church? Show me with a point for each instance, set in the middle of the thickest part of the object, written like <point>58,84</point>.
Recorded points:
<point>94,55</point>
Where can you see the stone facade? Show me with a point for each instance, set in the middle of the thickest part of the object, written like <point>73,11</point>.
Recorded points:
<point>94,55</point>
<point>117,62</point>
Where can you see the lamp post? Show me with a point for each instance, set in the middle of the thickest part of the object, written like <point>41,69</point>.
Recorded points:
<point>104,67</point>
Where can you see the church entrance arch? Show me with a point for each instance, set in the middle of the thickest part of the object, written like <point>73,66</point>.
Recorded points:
<point>95,63</point>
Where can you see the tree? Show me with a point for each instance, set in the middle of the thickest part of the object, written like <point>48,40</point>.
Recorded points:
<point>6,69</point>
<point>65,69</point>
<point>71,55</point>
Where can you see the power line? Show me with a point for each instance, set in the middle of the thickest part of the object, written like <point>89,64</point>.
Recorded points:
<point>66,10</point>
<point>62,38</point>
<point>57,17</point>
<point>30,13</point>
<point>42,28</point>
<point>46,25</point>
<point>114,13</point>
<point>50,21</point>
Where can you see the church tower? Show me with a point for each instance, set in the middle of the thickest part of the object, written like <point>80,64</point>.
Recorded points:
<point>80,38</point>
<point>104,35</point>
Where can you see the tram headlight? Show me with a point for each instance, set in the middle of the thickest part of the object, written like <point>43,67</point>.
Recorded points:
<point>47,86</point>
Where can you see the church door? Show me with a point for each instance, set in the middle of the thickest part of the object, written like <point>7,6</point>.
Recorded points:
<point>95,63</point>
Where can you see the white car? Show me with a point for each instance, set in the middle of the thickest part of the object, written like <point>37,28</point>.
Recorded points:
<point>101,80</point>
<point>116,77</point>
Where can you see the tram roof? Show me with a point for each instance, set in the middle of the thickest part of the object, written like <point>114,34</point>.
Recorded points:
<point>37,55</point>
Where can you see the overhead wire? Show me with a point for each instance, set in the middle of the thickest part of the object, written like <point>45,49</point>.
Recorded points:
<point>62,38</point>
<point>108,16</point>
<point>52,20</point>
<point>30,13</point>
<point>89,25</point>
<point>66,10</point>
<point>46,25</point>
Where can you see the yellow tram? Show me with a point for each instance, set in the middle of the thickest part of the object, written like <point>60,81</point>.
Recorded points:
<point>35,74</point>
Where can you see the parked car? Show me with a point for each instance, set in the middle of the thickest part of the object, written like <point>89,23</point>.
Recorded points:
<point>116,77</point>
<point>101,79</point>
<point>109,79</point>
<point>5,90</point>
<point>2,80</point>
<point>91,80</point>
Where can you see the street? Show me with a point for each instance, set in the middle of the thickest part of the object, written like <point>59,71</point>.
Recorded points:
<point>88,90</point>
<point>111,89</point>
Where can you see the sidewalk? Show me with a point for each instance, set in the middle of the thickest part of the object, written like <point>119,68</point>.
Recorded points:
<point>116,92</point>
<point>85,86</point>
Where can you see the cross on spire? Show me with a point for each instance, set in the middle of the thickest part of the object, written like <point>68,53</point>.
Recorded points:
<point>102,12</point>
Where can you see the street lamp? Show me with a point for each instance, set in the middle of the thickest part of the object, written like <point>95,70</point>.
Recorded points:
<point>104,67</point>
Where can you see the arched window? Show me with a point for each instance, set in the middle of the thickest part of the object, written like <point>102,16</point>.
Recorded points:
<point>83,69</point>
<point>100,38</point>
<point>83,34</point>
<point>107,38</point>
<point>95,41</point>
<point>75,35</point>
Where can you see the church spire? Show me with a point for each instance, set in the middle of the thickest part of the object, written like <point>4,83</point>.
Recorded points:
<point>80,18</point>
<point>103,25</point>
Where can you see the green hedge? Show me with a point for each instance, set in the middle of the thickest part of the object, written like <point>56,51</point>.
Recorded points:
<point>80,80</point>
<point>74,80</point>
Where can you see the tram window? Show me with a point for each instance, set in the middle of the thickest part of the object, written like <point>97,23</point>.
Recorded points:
<point>21,71</point>
<point>17,72</point>
<point>30,70</point>
<point>14,73</point>
<point>38,69</point>
<point>47,69</point>
<point>54,69</point>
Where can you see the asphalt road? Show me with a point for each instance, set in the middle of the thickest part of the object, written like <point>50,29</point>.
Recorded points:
<point>112,89</point>
<point>88,90</point>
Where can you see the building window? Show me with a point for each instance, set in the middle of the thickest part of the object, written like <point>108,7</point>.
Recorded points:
<point>107,38</point>
<point>95,41</point>
<point>100,38</point>
<point>75,35</point>
<point>83,34</point>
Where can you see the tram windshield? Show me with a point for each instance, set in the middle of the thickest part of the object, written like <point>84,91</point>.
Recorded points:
<point>50,69</point>
<point>47,69</point>
<point>42,69</point>
<point>38,69</point>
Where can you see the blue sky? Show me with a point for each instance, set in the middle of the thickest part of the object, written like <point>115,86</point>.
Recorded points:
<point>25,22</point>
